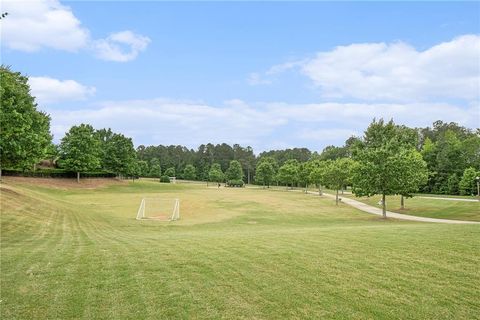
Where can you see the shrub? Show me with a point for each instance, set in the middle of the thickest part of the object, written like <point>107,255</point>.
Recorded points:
<point>235,183</point>
<point>165,179</point>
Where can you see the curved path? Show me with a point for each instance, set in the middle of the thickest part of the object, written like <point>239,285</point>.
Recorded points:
<point>373,210</point>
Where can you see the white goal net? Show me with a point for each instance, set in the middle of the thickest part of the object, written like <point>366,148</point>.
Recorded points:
<point>159,209</point>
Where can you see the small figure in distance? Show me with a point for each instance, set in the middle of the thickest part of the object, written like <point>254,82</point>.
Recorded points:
<point>219,184</point>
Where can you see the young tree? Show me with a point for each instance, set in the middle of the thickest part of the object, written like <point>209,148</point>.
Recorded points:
<point>215,174</point>
<point>288,173</point>
<point>265,173</point>
<point>383,160</point>
<point>338,173</point>
<point>303,175</point>
<point>468,182</point>
<point>234,173</point>
<point>155,168</point>
<point>414,173</point>
<point>80,149</point>
<point>317,173</point>
<point>119,155</point>
<point>25,132</point>
<point>189,172</point>
<point>142,168</point>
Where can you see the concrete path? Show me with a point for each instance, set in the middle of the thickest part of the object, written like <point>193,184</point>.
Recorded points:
<point>378,211</point>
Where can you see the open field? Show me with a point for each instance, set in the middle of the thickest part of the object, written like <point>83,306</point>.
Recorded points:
<point>78,252</point>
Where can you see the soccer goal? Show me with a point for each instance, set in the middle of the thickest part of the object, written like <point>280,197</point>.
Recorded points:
<point>159,209</point>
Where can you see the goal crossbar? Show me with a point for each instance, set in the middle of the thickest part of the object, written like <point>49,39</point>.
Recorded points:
<point>173,217</point>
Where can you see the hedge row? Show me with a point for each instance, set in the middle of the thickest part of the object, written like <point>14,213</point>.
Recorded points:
<point>56,173</point>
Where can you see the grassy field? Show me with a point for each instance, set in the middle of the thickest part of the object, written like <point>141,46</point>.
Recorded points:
<point>433,208</point>
<point>71,251</point>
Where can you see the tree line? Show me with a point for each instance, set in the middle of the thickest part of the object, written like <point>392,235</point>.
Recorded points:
<point>444,158</point>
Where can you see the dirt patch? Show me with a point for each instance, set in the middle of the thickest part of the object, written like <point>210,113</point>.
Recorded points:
<point>63,183</point>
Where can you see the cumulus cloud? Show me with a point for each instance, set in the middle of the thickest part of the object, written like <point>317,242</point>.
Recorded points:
<point>379,71</point>
<point>121,46</point>
<point>160,121</point>
<point>48,90</point>
<point>33,25</point>
<point>47,24</point>
<point>393,71</point>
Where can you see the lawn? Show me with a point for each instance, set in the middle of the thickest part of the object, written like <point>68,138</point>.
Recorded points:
<point>423,207</point>
<point>78,252</point>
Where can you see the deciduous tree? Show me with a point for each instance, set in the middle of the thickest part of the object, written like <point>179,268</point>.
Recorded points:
<point>80,149</point>
<point>24,131</point>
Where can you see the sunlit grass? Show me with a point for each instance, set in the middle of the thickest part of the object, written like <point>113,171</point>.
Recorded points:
<point>235,253</point>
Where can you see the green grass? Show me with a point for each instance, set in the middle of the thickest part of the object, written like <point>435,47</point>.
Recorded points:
<point>433,208</point>
<point>236,253</point>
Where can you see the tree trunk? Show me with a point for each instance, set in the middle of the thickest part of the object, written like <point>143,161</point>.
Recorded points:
<point>402,202</point>
<point>0,174</point>
<point>78,177</point>
<point>248,175</point>
<point>342,189</point>
<point>306,187</point>
<point>336,198</point>
<point>384,206</point>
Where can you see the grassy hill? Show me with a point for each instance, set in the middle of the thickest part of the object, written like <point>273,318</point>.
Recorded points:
<point>76,251</point>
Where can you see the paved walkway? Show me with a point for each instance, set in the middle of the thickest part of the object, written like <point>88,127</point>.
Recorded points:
<point>378,211</point>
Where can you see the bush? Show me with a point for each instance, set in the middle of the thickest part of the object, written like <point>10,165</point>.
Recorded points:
<point>165,179</point>
<point>235,183</point>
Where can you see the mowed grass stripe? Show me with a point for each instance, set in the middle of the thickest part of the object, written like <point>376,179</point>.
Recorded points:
<point>237,254</point>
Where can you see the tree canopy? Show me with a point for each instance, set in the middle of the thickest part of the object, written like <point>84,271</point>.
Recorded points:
<point>80,149</point>
<point>25,131</point>
<point>385,159</point>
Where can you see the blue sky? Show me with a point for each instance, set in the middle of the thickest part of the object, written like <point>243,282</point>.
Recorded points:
<point>270,75</point>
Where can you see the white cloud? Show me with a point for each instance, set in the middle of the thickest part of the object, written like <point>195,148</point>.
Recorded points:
<point>398,72</point>
<point>121,46</point>
<point>391,72</point>
<point>32,25</point>
<point>48,90</point>
<point>263,126</point>
<point>47,24</point>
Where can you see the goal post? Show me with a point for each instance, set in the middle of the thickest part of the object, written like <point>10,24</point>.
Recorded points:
<point>159,209</point>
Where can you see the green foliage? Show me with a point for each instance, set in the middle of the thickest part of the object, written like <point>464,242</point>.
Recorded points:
<point>215,174</point>
<point>303,176</point>
<point>25,132</point>
<point>265,172</point>
<point>387,162</point>
<point>288,173</point>
<point>170,172</point>
<point>453,184</point>
<point>468,183</point>
<point>318,170</point>
<point>189,173</point>
<point>142,168</point>
<point>165,179</point>
<point>337,174</point>
<point>80,149</point>
<point>155,168</point>
<point>235,183</point>
<point>119,155</point>
<point>282,156</point>
<point>234,171</point>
